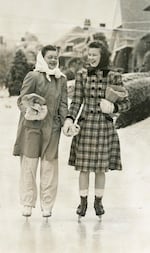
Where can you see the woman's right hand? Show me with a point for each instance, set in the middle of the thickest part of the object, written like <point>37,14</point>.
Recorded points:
<point>67,127</point>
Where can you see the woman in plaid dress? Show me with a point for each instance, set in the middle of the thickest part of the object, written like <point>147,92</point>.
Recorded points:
<point>96,148</point>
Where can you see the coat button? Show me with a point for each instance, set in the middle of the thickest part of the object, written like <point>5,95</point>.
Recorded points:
<point>92,96</point>
<point>98,104</point>
<point>98,111</point>
<point>92,111</point>
<point>99,96</point>
<point>93,88</point>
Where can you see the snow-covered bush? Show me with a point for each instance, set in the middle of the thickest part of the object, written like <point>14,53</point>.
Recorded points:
<point>138,86</point>
<point>6,56</point>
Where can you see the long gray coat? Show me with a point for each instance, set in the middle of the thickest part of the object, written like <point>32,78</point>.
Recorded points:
<point>96,147</point>
<point>41,138</point>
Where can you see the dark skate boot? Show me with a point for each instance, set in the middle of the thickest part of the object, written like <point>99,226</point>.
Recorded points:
<point>81,210</point>
<point>99,210</point>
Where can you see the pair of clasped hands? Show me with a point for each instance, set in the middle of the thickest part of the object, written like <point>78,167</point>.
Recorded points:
<point>72,129</point>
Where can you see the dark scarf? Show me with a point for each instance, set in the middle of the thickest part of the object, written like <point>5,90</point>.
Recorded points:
<point>93,70</point>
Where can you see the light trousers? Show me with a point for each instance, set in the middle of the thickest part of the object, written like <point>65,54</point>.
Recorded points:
<point>48,182</point>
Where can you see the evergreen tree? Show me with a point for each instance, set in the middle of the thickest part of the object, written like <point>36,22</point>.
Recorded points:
<point>5,60</point>
<point>19,68</point>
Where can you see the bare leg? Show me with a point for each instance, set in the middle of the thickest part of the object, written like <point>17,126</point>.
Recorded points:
<point>99,183</point>
<point>84,183</point>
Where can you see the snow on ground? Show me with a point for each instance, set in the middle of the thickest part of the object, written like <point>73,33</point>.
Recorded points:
<point>125,227</point>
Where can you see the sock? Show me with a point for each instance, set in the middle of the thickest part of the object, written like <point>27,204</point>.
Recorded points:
<point>84,193</point>
<point>99,193</point>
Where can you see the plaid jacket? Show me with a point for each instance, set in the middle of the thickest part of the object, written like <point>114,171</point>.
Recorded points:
<point>96,147</point>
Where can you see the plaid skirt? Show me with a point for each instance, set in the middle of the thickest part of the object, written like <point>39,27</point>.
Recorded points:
<point>96,147</point>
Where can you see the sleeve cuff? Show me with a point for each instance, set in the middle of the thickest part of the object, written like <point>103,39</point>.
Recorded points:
<point>70,117</point>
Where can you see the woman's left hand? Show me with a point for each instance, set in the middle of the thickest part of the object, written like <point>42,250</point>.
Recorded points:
<point>106,106</point>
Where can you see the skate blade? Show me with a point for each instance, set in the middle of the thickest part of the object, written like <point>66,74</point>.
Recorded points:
<point>46,219</point>
<point>27,218</point>
<point>80,218</point>
<point>100,218</point>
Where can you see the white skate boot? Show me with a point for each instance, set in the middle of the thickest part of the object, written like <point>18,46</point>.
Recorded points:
<point>46,213</point>
<point>27,211</point>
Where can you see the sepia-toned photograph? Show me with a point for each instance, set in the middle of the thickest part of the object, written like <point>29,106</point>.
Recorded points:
<point>74,126</point>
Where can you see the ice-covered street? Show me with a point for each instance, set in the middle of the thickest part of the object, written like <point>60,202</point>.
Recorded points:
<point>125,227</point>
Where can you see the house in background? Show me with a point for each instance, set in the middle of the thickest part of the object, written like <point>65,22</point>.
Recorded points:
<point>131,40</point>
<point>74,43</point>
<point>128,41</point>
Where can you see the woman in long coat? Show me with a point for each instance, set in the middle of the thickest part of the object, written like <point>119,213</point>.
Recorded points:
<point>96,148</point>
<point>40,138</point>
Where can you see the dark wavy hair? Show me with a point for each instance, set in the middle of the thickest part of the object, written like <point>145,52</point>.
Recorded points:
<point>47,48</point>
<point>105,54</point>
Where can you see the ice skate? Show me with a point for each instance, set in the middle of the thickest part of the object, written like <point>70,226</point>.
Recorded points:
<point>99,210</point>
<point>46,214</point>
<point>81,210</point>
<point>27,211</point>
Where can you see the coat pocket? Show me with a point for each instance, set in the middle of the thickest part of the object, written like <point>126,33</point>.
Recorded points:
<point>32,142</point>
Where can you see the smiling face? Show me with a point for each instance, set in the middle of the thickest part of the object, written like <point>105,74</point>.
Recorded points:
<point>94,56</point>
<point>51,58</point>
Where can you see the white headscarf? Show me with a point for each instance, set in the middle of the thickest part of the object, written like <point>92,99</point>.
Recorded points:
<point>41,66</point>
